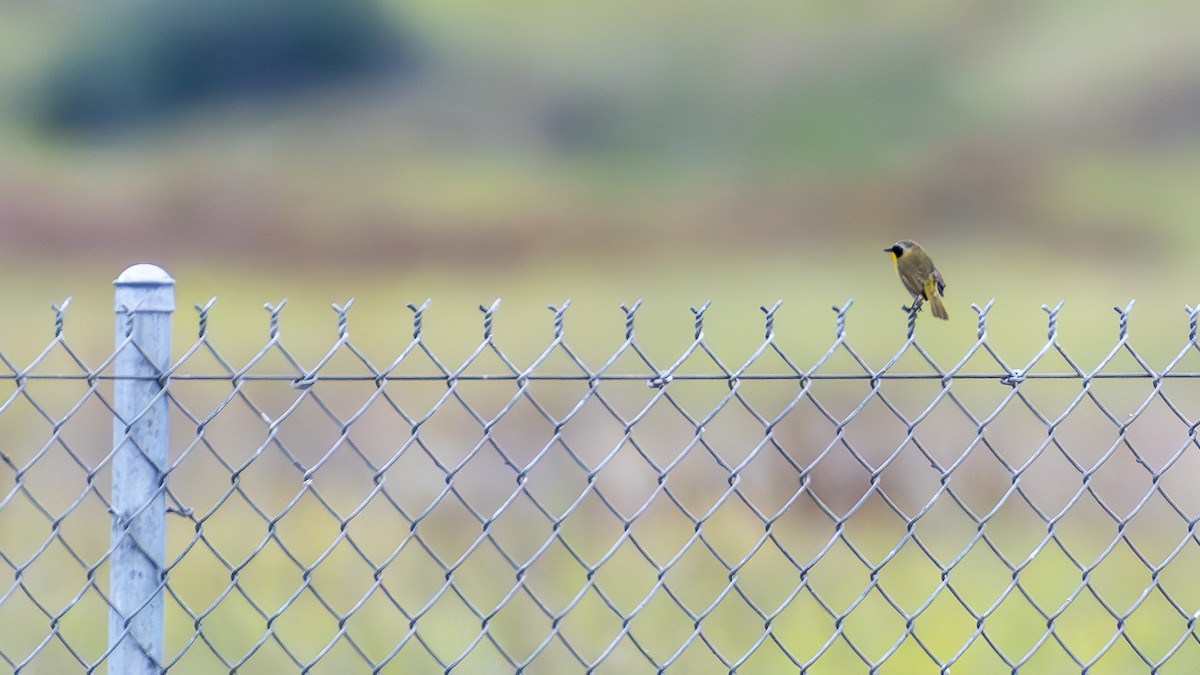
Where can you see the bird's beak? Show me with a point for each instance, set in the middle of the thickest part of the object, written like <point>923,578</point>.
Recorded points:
<point>887,250</point>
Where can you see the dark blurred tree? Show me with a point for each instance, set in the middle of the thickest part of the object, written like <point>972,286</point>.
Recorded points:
<point>157,58</point>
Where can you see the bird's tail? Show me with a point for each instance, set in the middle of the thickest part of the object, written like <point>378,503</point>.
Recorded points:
<point>935,298</point>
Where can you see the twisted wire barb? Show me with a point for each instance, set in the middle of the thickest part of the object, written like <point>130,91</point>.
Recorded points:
<point>202,311</point>
<point>769,333</point>
<point>418,317</point>
<point>488,314</point>
<point>59,311</point>
<point>841,317</point>
<point>982,312</point>
<point>1052,327</point>
<point>629,312</point>
<point>1123,323</point>
<point>343,322</point>
<point>559,313</point>
<point>699,314</point>
<point>275,310</point>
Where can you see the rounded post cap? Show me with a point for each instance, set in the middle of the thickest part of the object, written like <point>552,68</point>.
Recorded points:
<point>145,288</point>
<point>144,274</point>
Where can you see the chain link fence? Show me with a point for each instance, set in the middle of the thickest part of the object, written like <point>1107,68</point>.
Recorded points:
<point>405,514</point>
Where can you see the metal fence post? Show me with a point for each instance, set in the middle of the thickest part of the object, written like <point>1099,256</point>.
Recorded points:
<point>145,300</point>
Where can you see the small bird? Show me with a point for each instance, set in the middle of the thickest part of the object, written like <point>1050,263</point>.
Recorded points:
<point>920,277</point>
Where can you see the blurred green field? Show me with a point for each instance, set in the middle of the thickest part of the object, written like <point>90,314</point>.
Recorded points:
<point>750,131</point>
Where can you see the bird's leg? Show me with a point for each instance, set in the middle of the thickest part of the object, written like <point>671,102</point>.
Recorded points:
<point>916,306</point>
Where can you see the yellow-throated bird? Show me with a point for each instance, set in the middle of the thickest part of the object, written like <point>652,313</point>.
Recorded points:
<point>920,277</point>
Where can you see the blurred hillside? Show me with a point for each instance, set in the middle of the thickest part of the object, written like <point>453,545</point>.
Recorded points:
<point>612,149</point>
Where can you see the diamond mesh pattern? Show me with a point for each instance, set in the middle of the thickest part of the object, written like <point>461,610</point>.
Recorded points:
<point>411,514</point>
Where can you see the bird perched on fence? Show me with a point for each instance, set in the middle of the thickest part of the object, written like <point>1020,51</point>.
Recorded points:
<point>920,277</point>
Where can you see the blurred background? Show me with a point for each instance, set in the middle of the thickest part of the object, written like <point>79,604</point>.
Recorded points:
<point>534,151</point>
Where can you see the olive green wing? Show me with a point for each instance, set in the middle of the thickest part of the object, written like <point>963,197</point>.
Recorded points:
<point>914,277</point>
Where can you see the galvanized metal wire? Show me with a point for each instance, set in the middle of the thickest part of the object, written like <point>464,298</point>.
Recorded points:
<point>405,513</point>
